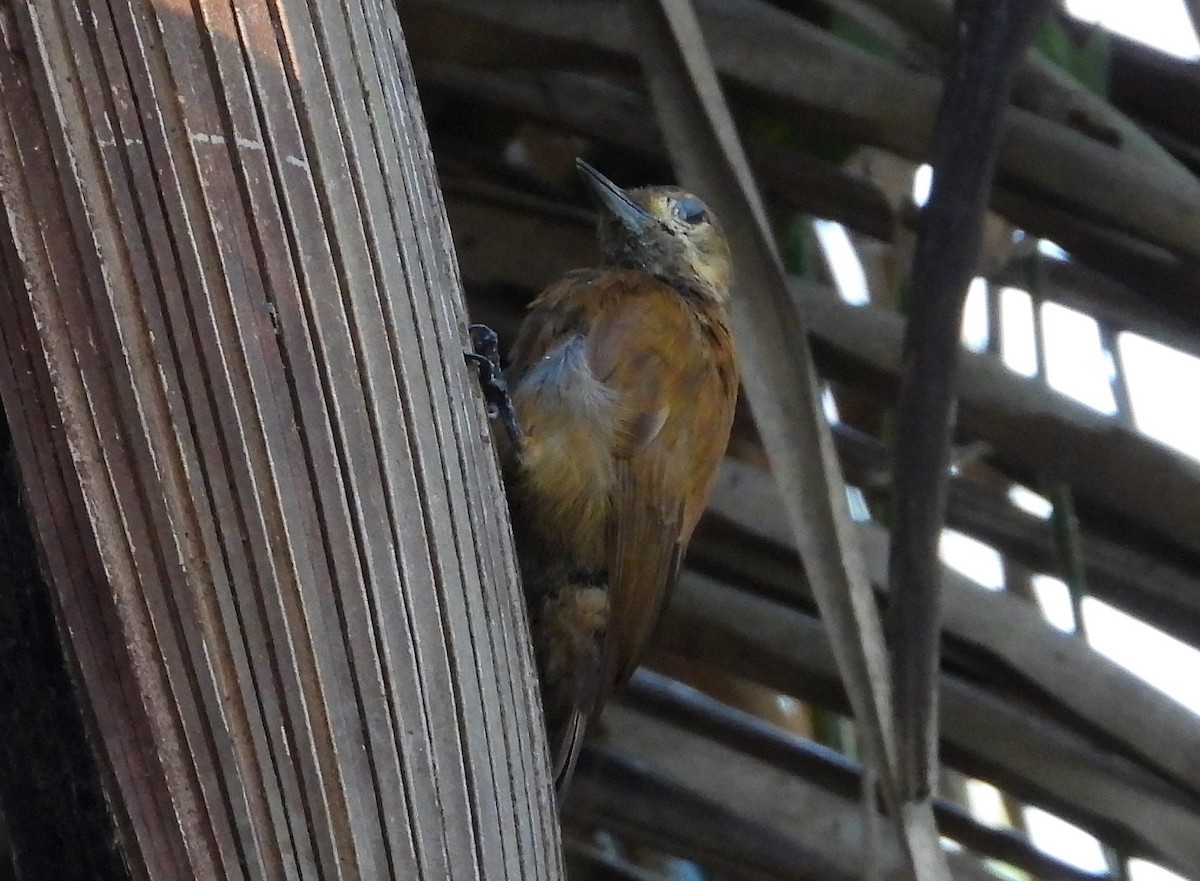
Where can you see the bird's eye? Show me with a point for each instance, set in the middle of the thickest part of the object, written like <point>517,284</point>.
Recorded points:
<point>691,211</point>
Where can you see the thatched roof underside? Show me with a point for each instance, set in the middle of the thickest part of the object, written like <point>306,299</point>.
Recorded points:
<point>731,772</point>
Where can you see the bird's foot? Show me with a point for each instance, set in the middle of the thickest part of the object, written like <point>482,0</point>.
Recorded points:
<point>486,358</point>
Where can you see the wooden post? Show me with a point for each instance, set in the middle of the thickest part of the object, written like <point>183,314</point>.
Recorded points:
<point>231,336</point>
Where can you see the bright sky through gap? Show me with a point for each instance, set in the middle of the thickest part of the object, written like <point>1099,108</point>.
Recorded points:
<point>1065,841</point>
<point>1016,340</point>
<point>922,181</point>
<point>975,322</point>
<point>844,265</point>
<point>1163,24</point>
<point>829,405</point>
<point>978,561</point>
<point>986,803</point>
<point>1075,361</point>
<point>1140,870</point>
<point>1051,250</point>
<point>1030,502</point>
<point>1156,375</point>
<point>1162,660</point>
<point>1055,599</point>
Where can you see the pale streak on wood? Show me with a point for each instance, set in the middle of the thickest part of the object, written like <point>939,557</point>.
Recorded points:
<point>274,465</point>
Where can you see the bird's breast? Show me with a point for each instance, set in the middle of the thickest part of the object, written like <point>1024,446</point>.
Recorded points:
<point>568,418</point>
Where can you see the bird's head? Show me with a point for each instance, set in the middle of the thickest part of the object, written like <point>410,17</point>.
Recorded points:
<point>664,231</point>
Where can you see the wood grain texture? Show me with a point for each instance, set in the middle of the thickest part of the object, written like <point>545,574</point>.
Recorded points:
<point>256,461</point>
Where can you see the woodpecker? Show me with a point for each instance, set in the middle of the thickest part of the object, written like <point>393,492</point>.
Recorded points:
<point>617,404</point>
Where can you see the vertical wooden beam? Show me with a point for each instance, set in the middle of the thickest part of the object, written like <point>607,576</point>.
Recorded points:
<point>256,463</point>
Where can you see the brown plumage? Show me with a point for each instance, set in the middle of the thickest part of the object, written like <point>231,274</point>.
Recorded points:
<point>624,382</point>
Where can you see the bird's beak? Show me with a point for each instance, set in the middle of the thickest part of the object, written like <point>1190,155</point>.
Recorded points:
<point>615,200</point>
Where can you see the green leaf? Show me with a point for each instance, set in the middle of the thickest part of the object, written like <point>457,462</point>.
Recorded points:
<point>857,34</point>
<point>1087,63</point>
<point>811,141</point>
<point>794,236</point>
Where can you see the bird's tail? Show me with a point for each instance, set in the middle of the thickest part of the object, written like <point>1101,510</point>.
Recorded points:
<point>568,634</point>
<point>566,752</point>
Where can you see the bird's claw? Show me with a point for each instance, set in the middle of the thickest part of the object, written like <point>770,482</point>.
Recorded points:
<point>486,358</point>
<point>485,343</point>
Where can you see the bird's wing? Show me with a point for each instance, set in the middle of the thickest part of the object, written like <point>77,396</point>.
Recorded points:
<point>645,552</point>
<point>561,311</point>
<point>647,350</point>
